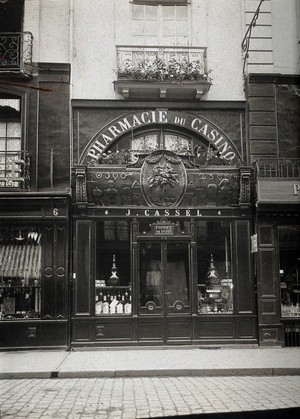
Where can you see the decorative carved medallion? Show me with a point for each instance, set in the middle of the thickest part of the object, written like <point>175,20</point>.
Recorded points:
<point>163,179</point>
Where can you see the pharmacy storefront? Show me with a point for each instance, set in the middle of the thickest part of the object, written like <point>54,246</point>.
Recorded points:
<point>162,225</point>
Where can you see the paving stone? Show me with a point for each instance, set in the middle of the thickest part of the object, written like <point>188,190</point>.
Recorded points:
<point>130,398</point>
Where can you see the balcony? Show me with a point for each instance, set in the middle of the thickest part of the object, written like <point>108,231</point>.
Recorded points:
<point>162,73</point>
<point>278,168</point>
<point>14,170</point>
<point>16,54</point>
<point>278,182</point>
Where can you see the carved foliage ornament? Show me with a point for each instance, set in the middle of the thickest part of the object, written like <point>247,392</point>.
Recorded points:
<point>163,179</point>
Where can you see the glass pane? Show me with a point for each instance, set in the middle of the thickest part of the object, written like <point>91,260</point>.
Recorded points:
<point>181,12</point>
<point>182,41</point>
<point>137,28</point>
<point>289,245</point>
<point>20,273</point>
<point>177,281</point>
<point>137,11</point>
<point>181,28</point>
<point>112,281</point>
<point>145,143</point>
<point>215,283</point>
<point>14,129</point>
<point>151,12</point>
<point>13,144</point>
<point>177,144</point>
<point>2,145</point>
<point>151,281</point>
<point>2,129</point>
<point>168,28</point>
<point>150,27</point>
<point>168,12</point>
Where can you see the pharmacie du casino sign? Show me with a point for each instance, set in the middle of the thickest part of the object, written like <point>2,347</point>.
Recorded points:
<point>106,136</point>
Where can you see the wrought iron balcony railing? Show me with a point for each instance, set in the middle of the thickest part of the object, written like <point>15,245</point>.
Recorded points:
<point>14,170</point>
<point>278,168</point>
<point>162,72</point>
<point>16,53</point>
<point>172,64</point>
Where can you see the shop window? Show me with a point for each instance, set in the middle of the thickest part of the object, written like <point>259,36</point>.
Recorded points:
<point>160,23</point>
<point>13,161</point>
<point>215,285</point>
<point>289,245</point>
<point>113,280</point>
<point>20,272</point>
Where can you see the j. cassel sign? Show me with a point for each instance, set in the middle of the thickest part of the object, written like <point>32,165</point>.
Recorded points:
<point>197,124</point>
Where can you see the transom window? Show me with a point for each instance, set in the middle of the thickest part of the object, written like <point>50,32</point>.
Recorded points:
<point>156,141</point>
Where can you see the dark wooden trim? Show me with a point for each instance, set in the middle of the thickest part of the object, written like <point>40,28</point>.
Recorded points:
<point>274,78</point>
<point>132,104</point>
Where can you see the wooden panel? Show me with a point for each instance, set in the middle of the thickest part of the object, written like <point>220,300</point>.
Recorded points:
<point>180,329</point>
<point>215,329</point>
<point>262,118</point>
<point>261,104</point>
<point>82,268</point>
<point>53,127</point>
<point>244,285</point>
<point>150,330</point>
<point>48,290</point>
<point>266,236</point>
<point>19,334</point>
<point>120,330</point>
<point>82,331</point>
<point>268,307</point>
<point>270,336</point>
<point>266,272</point>
<point>263,147</point>
<point>54,333</point>
<point>61,274</point>
<point>263,133</point>
<point>246,329</point>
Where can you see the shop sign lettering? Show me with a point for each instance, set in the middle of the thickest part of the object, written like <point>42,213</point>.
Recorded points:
<point>296,189</point>
<point>163,230</point>
<point>198,124</point>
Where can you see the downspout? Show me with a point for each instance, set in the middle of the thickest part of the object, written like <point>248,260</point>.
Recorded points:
<point>70,235</point>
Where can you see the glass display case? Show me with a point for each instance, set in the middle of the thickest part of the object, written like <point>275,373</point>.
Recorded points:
<point>112,283</point>
<point>20,273</point>
<point>215,285</point>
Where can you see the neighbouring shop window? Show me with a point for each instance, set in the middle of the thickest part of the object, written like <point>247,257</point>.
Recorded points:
<point>20,272</point>
<point>215,285</point>
<point>289,257</point>
<point>113,280</point>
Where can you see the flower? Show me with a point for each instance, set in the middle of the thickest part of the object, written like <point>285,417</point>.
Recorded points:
<point>174,70</point>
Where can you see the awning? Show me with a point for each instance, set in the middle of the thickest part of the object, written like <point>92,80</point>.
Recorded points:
<point>21,261</point>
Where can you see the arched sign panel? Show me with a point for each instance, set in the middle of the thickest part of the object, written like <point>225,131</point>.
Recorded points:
<point>128,123</point>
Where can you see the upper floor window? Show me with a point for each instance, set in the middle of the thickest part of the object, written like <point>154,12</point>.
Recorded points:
<point>13,160</point>
<point>11,15</point>
<point>160,23</point>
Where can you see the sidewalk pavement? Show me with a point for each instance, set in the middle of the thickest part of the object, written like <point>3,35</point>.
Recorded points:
<point>150,362</point>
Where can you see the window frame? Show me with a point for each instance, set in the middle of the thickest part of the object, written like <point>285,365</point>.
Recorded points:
<point>23,97</point>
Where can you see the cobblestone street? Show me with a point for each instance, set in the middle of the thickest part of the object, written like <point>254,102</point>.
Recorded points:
<point>145,397</point>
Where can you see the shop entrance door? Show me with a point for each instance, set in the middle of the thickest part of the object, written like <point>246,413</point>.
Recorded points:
<point>164,279</point>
